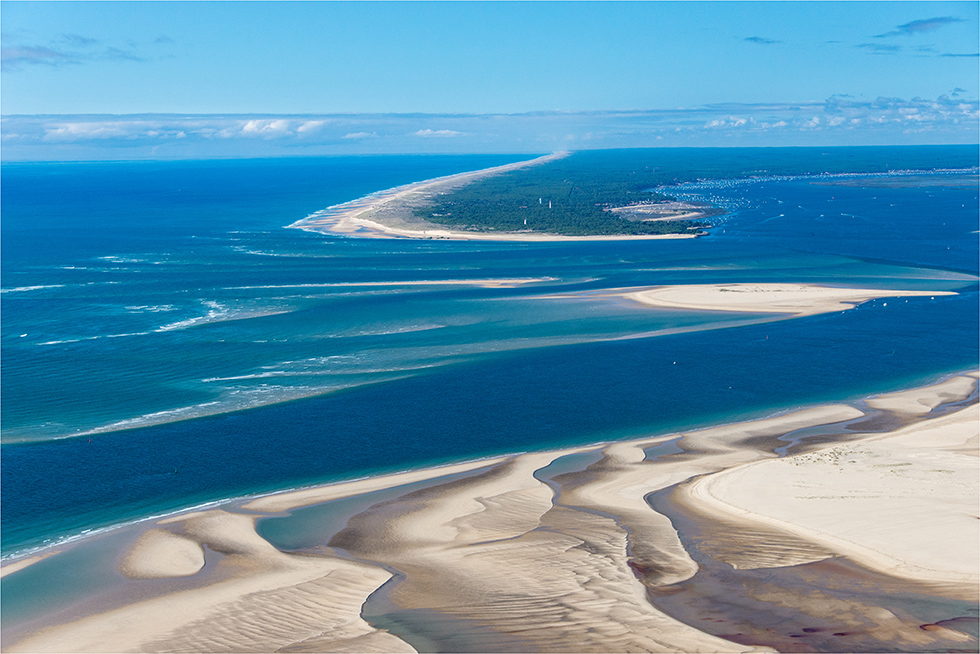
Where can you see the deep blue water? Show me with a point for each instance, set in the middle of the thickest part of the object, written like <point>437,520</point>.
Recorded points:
<point>165,342</point>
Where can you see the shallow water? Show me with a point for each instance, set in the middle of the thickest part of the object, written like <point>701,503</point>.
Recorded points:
<point>147,305</point>
<point>312,527</point>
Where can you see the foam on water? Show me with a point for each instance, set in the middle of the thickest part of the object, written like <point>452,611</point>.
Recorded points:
<point>23,289</point>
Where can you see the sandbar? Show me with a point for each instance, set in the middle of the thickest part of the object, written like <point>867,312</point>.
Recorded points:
<point>160,554</point>
<point>917,401</point>
<point>513,557</point>
<point>794,299</point>
<point>886,501</point>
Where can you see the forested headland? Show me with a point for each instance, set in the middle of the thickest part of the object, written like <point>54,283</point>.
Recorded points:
<point>572,196</point>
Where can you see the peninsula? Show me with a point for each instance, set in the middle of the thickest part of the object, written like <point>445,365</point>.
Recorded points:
<point>413,211</point>
<point>589,195</point>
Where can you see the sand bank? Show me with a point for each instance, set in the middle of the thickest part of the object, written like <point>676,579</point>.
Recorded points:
<point>921,401</point>
<point>905,503</point>
<point>565,550</point>
<point>389,214</point>
<point>794,299</point>
<point>268,600</point>
<point>295,499</point>
<point>161,554</point>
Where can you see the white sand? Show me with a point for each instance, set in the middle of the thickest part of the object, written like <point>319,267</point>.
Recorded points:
<point>500,551</point>
<point>795,299</point>
<point>905,503</point>
<point>495,551</point>
<point>272,600</point>
<point>158,554</point>
<point>308,496</point>
<point>918,401</point>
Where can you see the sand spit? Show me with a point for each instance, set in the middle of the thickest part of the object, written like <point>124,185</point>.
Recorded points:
<point>388,214</point>
<point>919,401</point>
<point>295,499</point>
<point>606,548</point>
<point>795,299</point>
<point>271,600</point>
<point>20,564</point>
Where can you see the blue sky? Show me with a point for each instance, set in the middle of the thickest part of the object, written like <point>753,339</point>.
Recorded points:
<point>138,79</point>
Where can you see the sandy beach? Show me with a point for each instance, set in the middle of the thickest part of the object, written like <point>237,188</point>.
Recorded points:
<point>606,548</point>
<point>388,214</point>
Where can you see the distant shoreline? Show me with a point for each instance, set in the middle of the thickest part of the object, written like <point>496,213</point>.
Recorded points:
<point>388,213</point>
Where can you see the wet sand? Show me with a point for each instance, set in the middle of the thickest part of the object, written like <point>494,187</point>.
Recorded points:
<point>705,541</point>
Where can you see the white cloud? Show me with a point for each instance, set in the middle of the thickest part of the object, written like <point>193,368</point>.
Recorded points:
<point>88,131</point>
<point>266,128</point>
<point>838,120</point>
<point>84,131</point>
<point>311,126</point>
<point>437,133</point>
<point>730,121</point>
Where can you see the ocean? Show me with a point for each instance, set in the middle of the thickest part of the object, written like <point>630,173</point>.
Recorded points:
<point>167,342</point>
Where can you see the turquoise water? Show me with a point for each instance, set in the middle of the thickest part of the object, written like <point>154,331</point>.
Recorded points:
<point>311,527</point>
<point>167,343</point>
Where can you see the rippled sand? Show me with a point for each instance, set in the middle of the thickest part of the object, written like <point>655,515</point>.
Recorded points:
<point>706,541</point>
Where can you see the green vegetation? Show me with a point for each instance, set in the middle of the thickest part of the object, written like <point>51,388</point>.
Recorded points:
<point>582,186</point>
<point>569,196</point>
